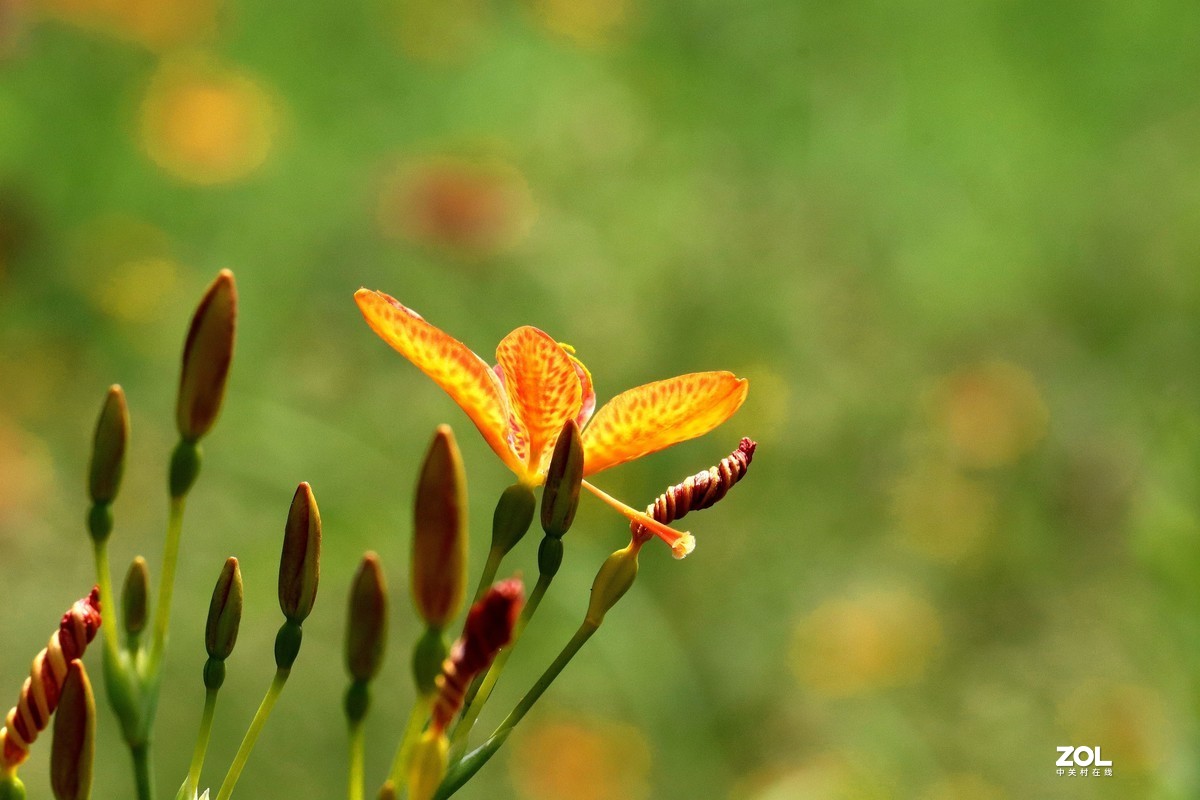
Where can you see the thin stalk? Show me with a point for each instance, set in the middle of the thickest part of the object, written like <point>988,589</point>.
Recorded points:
<point>490,568</point>
<point>412,732</point>
<point>357,738</point>
<point>206,720</point>
<point>142,770</point>
<point>464,770</point>
<point>256,726</point>
<point>166,586</point>
<point>107,601</point>
<point>481,688</point>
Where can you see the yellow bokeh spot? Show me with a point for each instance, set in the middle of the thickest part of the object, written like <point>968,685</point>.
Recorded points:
<point>207,124</point>
<point>580,760</point>
<point>943,514</point>
<point>874,641</point>
<point>964,786</point>
<point>441,32</point>
<point>827,776</point>
<point>471,208</point>
<point>990,414</point>
<point>586,22</point>
<point>157,24</point>
<point>138,290</point>
<point>1128,722</point>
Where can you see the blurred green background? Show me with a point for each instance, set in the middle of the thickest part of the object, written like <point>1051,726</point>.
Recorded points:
<point>953,246</point>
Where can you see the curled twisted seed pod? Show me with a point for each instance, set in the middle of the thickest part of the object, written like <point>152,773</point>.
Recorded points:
<point>489,627</point>
<point>702,489</point>
<point>40,693</point>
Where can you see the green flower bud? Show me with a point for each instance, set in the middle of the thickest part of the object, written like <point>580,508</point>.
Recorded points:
<point>108,448</point>
<point>207,353</point>
<point>299,564</point>
<point>439,560</point>
<point>560,497</point>
<point>510,521</point>
<point>133,597</point>
<point>366,623</point>
<point>74,744</point>
<point>224,612</point>
<point>615,577</point>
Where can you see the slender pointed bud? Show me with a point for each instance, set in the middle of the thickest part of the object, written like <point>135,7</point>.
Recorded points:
<point>42,689</point>
<point>224,612</point>
<point>299,564</point>
<point>488,628</point>
<point>108,448</point>
<point>427,767</point>
<point>366,623</point>
<point>439,560</point>
<point>74,744</point>
<point>560,497</point>
<point>613,580</point>
<point>514,513</point>
<point>207,353</point>
<point>133,597</point>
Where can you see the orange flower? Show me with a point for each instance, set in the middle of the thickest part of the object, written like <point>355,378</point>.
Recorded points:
<point>522,403</point>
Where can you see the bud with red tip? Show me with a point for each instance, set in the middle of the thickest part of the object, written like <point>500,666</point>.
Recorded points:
<point>74,745</point>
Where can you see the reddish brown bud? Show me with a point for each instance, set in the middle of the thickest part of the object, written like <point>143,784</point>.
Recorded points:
<point>300,561</point>
<point>74,744</point>
<point>366,624</point>
<point>439,559</point>
<point>108,447</point>
<point>207,353</point>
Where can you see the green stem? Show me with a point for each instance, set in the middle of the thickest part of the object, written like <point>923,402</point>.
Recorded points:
<point>481,688</point>
<point>465,769</point>
<point>488,576</point>
<point>412,731</point>
<point>108,603</point>
<point>166,586</point>
<point>256,726</point>
<point>357,739</point>
<point>142,771</point>
<point>206,720</point>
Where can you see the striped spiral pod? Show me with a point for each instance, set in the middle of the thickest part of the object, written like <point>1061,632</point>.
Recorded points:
<point>41,691</point>
<point>488,628</point>
<point>701,490</point>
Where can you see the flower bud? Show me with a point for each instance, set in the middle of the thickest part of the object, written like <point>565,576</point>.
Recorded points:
<point>299,564</point>
<point>74,743</point>
<point>207,353</point>
<point>108,447</point>
<point>224,612</point>
<point>387,791</point>
<point>615,577</point>
<point>366,624</point>
<point>427,766</point>
<point>439,560</point>
<point>133,597</point>
<point>514,512</point>
<point>560,497</point>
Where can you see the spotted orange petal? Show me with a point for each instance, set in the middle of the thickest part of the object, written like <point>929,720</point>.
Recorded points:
<point>449,362</point>
<point>655,416</point>
<point>543,387</point>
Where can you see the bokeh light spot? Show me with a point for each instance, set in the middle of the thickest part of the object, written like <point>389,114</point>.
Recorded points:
<point>591,23</point>
<point>207,124</point>
<point>157,24</point>
<point>873,641</point>
<point>1128,722</point>
<point>580,759</point>
<point>136,291</point>
<point>941,513</point>
<point>471,208</point>
<point>991,414</point>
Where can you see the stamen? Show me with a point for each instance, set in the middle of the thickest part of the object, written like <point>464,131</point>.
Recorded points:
<point>681,543</point>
